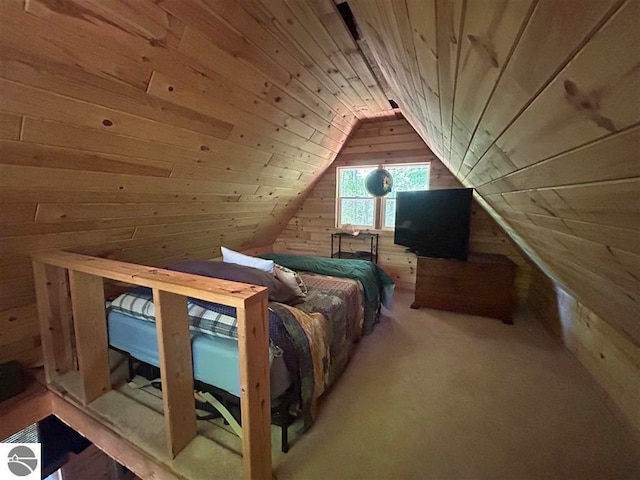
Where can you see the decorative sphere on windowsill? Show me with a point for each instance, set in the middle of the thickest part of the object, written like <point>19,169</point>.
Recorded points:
<point>379,182</point>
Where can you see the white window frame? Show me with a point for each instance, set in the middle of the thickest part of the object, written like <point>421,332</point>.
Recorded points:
<point>379,202</point>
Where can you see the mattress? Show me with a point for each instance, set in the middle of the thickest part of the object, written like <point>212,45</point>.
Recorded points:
<point>315,338</point>
<point>215,359</point>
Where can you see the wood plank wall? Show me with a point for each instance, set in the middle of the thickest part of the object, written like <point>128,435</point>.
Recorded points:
<point>535,104</point>
<point>156,131</point>
<point>609,357</point>
<point>388,141</point>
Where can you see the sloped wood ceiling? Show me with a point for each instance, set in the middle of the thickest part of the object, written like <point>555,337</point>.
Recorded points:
<point>388,141</point>
<point>536,104</point>
<point>152,131</point>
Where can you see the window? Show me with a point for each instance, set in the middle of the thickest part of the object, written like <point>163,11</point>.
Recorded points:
<point>355,206</point>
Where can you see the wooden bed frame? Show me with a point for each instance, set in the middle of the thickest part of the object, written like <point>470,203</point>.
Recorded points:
<point>71,307</point>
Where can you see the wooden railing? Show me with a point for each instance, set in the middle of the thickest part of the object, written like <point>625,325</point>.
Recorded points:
<point>82,317</point>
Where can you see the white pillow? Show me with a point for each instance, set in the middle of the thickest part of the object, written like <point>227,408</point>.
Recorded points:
<point>229,256</point>
<point>291,279</point>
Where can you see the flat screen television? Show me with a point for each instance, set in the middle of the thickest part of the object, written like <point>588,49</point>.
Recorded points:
<point>434,223</point>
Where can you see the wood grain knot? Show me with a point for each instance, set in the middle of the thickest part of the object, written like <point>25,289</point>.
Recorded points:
<point>570,87</point>
<point>107,123</point>
<point>485,50</point>
<point>588,103</point>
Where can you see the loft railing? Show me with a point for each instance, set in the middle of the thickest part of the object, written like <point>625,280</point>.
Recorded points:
<point>81,316</point>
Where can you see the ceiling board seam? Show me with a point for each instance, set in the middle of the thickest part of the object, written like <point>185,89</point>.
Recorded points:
<point>291,39</point>
<point>599,25</point>
<point>423,81</point>
<point>291,75</point>
<point>611,250</point>
<point>137,139</point>
<point>380,96</point>
<point>304,26</point>
<point>455,76</point>
<point>562,154</point>
<point>416,70</point>
<point>523,27</point>
<point>21,134</point>
<point>438,67</point>
<point>178,53</point>
<point>533,257</point>
<point>573,220</point>
<point>141,160</point>
<point>128,114</point>
<point>569,186</point>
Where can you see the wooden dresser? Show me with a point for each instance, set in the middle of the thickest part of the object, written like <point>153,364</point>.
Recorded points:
<point>483,285</point>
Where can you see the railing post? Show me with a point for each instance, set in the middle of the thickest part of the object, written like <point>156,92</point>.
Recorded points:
<point>54,311</point>
<point>170,290</point>
<point>176,370</point>
<point>255,391</point>
<point>90,325</point>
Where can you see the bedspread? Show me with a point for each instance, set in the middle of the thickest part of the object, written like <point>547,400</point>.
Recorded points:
<point>378,286</point>
<point>339,300</point>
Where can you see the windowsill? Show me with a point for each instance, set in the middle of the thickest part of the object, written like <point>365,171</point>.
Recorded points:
<point>367,230</point>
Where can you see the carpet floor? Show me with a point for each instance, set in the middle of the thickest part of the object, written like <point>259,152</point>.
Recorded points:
<point>433,394</point>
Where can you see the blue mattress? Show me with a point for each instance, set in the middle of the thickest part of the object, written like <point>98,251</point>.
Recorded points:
<point>215,359</point>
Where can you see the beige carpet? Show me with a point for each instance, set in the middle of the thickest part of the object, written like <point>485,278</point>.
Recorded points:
<point>434,394</point>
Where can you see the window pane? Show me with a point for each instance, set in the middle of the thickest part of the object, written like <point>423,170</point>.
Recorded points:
<point>409,178</point>
<point>357,211</point>
<point>352,182</point>
<point>389,213</point>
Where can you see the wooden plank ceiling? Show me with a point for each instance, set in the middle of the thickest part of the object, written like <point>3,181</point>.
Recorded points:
<point>535,104</point>
<point>152,131</point>
<point>388,141</point>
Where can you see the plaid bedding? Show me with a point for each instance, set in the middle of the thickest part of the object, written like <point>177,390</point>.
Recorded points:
<point>335,304</point>
<point>219,323</point>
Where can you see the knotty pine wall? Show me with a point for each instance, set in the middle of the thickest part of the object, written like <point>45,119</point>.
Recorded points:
<point>611,358</point>
<point>535,104</point>
<point>155,131</point>
<point>387,141</point>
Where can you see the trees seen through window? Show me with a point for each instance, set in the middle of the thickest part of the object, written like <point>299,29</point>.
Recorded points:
<point>357,207</point>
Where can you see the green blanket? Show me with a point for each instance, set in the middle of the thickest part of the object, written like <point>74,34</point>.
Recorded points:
<point>378,286</point>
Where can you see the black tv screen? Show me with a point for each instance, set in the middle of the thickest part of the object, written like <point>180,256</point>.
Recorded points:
<point>434,223</point>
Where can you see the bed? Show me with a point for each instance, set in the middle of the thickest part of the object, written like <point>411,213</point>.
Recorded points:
<point>310,342</point>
